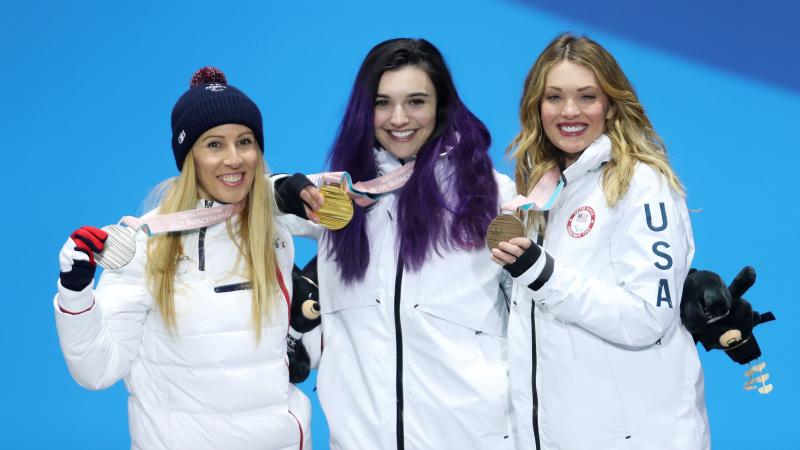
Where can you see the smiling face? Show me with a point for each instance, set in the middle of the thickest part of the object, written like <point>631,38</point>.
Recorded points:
<point>573,109</point>
<point>405,111</point>
<point>226,159</point>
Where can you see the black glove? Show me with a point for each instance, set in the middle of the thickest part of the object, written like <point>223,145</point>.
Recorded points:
<point>287,194</point>
<point>77,257</point>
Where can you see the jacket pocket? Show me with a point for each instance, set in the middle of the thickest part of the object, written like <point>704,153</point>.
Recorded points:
<point>243,286</point>
<point>483,315</point>
<point>485,342</point>
<point>347,299</point>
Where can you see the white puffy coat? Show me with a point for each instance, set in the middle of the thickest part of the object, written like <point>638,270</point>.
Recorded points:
<point>209,385</point>
<point>415,359</point>
<point>595,338</point>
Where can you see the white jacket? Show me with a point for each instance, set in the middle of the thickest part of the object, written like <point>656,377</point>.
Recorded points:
<point>209,385</point>
<point>415,359</point>
<point>613,368</point>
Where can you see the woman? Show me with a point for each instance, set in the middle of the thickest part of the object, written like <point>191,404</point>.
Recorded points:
<point>598,357</point>
<point>196,323</point>
<point>413,312</point>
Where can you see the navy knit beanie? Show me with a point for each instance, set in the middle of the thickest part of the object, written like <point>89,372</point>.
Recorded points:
<point>209,102</point>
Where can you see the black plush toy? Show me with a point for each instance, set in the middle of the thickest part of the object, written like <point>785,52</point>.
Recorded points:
<point>718,316</point>
<point>304,317</point>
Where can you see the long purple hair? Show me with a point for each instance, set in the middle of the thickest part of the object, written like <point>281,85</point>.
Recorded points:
<point>430,217</point>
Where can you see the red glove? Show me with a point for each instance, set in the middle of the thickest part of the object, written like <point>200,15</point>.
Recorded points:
<point>77,257</point>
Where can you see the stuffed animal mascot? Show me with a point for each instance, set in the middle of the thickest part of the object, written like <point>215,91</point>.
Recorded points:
<point>304,317</point>
<point>719,317</point>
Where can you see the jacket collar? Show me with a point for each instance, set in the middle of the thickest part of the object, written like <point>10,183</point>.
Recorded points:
<point>204,203</point>
<point>593,158</point>
<point>386,161</point>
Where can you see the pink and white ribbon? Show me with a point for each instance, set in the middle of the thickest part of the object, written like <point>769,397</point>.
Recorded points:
<point>542,196</point>
<point>183,220</point>
<point>365,193</point>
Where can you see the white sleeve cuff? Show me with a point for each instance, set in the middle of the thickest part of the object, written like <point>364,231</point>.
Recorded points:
<point>72,302</point>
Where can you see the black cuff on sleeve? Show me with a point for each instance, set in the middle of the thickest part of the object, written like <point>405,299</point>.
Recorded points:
<point>287,194</point>
<point>544,277</point>
<point>79,277</point>
<point>524,262</point>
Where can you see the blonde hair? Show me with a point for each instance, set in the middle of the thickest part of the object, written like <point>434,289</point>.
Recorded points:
<point>632,136</point>
<point>254,240</point>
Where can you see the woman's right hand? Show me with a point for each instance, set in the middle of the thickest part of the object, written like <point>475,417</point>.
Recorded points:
<point>297,195</point>
<point>507,252</point>
<point>77,257</point>
<point>312,202</point>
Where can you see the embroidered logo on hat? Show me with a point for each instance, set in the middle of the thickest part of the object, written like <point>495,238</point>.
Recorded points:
<point>216,87</point>
<point>181,136</point>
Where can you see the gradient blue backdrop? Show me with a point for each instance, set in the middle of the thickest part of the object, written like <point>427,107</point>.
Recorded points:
<point>87,89</point>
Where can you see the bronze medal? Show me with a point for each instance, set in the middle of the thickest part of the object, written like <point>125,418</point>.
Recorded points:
<point>503,228</point>
<point>119,248</point>
<point>337,210</point>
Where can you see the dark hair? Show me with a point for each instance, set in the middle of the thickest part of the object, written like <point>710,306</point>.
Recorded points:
<point>427,219</point>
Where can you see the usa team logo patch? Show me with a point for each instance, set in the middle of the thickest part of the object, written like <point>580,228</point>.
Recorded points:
<point>581,222</point>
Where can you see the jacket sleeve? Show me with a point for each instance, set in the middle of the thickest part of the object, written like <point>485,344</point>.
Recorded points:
<point>300,227</point>
<point>100,343</point>
<point>287,191</point>
<point>507,190</point>
<point>651,250</point>
<point>297,225</point>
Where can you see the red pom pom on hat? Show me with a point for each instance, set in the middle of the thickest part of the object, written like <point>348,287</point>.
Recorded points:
<point>207,75</point>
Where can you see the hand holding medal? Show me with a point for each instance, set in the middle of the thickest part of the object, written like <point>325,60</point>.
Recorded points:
<point>76,260</point>
<point>339,193</point>
<point>507,226</point>
<point>502,229</point>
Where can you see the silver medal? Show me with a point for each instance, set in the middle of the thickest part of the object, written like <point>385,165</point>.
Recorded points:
<point>120,246</point>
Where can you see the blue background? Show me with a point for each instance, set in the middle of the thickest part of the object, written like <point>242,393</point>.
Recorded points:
<point>87,88</point>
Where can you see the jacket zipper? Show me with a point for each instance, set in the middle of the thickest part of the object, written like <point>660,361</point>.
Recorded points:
<point>534,392</point>
<point>535,395</point>
<point>201,242</point>
<point>398,339</point>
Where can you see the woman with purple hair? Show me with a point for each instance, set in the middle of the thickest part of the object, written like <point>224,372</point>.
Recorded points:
<point>414,313</point>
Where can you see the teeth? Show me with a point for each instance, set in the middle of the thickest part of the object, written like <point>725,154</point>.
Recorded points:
<point>573,128</point>
<point>232,178</point>
<point>402,134</point>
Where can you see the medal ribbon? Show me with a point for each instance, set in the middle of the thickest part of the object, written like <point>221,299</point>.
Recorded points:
<point>183,220</point>
<point>542,196</point>
<point>365,193</point>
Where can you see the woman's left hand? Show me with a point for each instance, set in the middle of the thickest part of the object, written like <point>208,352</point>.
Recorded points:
<point>507,252</point>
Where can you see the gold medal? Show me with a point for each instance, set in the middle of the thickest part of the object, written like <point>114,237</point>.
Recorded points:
<point>337,210</point>
<point>503,228</point>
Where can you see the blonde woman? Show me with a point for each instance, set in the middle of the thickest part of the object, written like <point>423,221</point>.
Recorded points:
<point>196,323</point>
<point>598,357</point>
